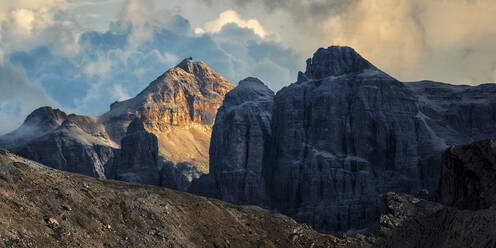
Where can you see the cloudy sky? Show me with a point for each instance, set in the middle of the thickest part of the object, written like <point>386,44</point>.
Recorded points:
<point>83,55</point>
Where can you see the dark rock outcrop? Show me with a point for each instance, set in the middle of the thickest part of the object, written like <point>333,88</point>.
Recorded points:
<point>344,134</point>
<point>70,148</point>
<point>410,222</point>
<point>241,129</point>
<point>468,176</point>
<point>139,156</point>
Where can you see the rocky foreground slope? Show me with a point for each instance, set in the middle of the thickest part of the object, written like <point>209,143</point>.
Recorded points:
<point>342,135</point>
<point>43,207</point>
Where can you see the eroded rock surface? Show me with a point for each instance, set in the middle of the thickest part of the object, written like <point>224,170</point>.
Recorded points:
<point>347,132</point>
<point>139,156</point>
<point>411,222</point>
<point>468,176</point>
<point>241,129</point>
<point>179,107</point>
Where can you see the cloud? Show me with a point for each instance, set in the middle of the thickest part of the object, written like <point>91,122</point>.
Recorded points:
<point>24,28</point>
<point>101,67</point>
<point>18,97</point>
<point>23,20</point>
<point>120,93</point>
<point>411,39</point>
<point>120,62</point>
<point>231,16</point>
<point>384,32</point>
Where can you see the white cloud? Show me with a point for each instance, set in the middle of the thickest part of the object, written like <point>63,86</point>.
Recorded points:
<point>18,97</point>
<point>232,17</point>
<point>100,67</point>
<point>166,58</point>
<point>382,31</point>
<point>199,31</point>
<point>23,29</point>
<point>120,93</point>
<point>23,20</point>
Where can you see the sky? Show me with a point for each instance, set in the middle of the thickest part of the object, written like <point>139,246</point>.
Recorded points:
<point>82,55</point>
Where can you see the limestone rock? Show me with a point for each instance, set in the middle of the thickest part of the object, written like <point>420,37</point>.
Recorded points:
<point>410,222</point>
<point>179,107</point>
<point>70,148</point>
<point>347,132</point>
<point>241,129</point>
<point>468,173</point>
<point>139,156</point>
<point>39,122</point>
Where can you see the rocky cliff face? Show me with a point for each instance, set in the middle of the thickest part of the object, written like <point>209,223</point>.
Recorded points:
<point>346,132</point>
<point>468,173</point>
<point>343,134</point>
<point>179,108</point>
<point>241,129</point>
<point>139,156</point>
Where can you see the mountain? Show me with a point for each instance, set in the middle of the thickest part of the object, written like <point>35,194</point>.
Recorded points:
<point>241,128</point>
<point>179,108</point>
<point>43,207</point>
<point>342,135</point>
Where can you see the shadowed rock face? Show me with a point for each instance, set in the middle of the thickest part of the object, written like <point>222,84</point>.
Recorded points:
<point>468,176</point>
<point>139,156</point>
<point>336,61</point>
<point>69,147</point>
<point>38,123</point>
<point>346,132</point>
<point>241,129</point>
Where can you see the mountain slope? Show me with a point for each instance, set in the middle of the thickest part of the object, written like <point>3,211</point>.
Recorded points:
<point>43,207</point>
<point>179,108</point>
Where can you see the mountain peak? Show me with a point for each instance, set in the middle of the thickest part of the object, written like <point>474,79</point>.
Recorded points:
<point>198,68</point>
<point>248,89</point>
<point>45,114</point>
<point>250,81</point>
<point>186,65</point>
<point>336,61</point>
